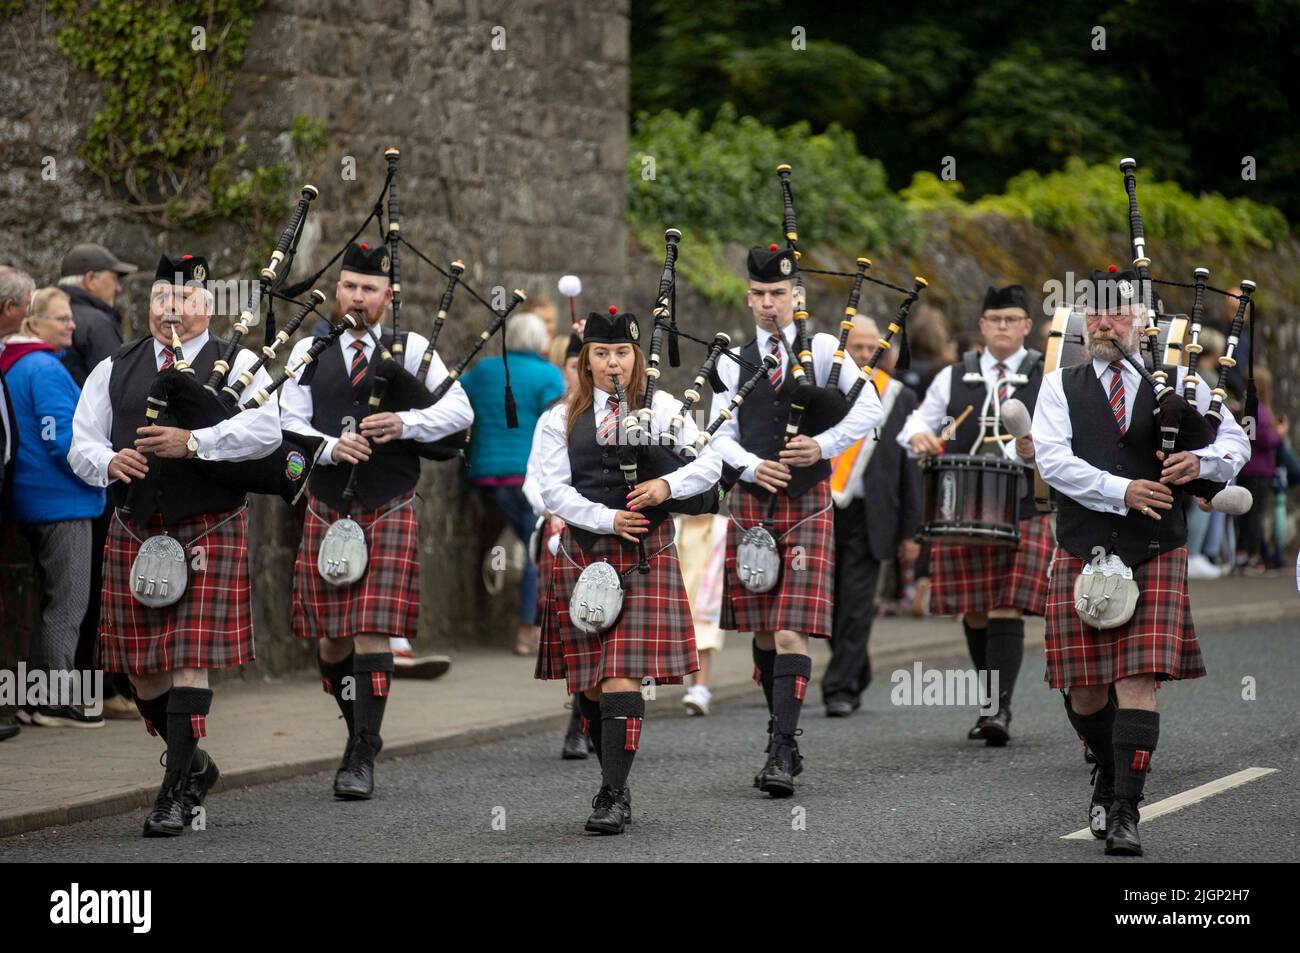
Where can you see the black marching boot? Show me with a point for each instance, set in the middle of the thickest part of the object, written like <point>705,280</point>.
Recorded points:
<point>777,777</point>
<point>187,710</point>
<point>1134,736</point>
<point>334,676</point>
<point>374,674</point>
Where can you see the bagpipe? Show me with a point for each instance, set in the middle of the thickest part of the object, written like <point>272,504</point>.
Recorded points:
<point>1182,427</point>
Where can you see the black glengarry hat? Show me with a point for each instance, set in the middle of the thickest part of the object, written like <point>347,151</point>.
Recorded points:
<point>574,348</point>
<point>1012,296</point>
<point>185,270</point>
<point>367,260</point>
<point>611,328</point>
<point>1108,290</point>
<point>772,263</point>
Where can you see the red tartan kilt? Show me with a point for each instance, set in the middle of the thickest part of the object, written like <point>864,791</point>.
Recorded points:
<point>545,564</point>
<point>1159,640</point>
<point>979,578</point>
<point>654,636</point>
<point>212,624</point>
<point>803,598</point>
<point>384,601</point>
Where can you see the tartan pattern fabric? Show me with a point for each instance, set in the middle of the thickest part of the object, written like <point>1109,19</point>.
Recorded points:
<point>545,564</point>
<point>168,359</point>
<point>1116,395</point>
<point>800,687</point>
<point>608,423</point>
<point>1003,387</point>
<point>1159,640</point>
<point>979,578</point>
<point>199,725</point>
<point>632,735</point>
<point>803,597</point>
<point>758,676</point>
<point>384,601</point>
<point>1141,761</point>
<point>654,636</point>
<point>584,725</point>
<point>379,684</point>
<point>327,685</point>
<point>357,372</point>
<point>212,624</point>
<point>775,376</point>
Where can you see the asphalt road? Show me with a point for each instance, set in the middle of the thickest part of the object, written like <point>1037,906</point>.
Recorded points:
<point>889,784</point>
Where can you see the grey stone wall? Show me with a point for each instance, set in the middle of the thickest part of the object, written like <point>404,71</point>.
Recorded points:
<point>512,159</point>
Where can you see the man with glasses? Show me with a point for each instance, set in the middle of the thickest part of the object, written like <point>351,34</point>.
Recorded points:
<point>1097,443</point>
<point>991,588</point>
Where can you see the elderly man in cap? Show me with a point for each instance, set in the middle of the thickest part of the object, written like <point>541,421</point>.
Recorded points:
<point>164,494</point>
<point>16,287</point>
<point>91,275</point>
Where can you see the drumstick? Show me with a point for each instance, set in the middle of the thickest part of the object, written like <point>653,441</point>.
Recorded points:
<point>1000,437</point>
<point>947,433</point>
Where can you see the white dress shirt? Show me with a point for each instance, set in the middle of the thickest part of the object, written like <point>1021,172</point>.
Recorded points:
<point>556,479</point>
<point>450,415</point>
<point>248,435</point>
<point>533,474</point>
<point>861,418</point>
<point>929,417</point>
<point>1099,489</point>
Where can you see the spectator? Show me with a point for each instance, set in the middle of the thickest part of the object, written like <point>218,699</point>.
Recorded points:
<point>92,279</point>
<point>16,289</point>
<point>498,456</point>
<point>51,505</point>
<point>1257,476</point>
<point>7,453</point>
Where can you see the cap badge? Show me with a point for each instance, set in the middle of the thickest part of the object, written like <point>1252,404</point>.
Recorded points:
<point>786,266</point>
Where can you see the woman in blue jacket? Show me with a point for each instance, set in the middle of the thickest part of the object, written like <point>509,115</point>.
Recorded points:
<point>51,505</point>
<point>498,455</point>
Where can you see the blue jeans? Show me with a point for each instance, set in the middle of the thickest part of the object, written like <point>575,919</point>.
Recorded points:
<point>514,507</point>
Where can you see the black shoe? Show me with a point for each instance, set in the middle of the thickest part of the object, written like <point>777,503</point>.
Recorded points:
<point>167,819</point>
<point>200,781</point>
<point>8,731</point>
<point>977,732</point>
<point>1122,833</point>
<point>797,757</point>
<point>777,777</point>
<point>839,708</point>
<point>357,782</point>
<point>1103,793</point>
<point>611,811</point>
<point>997,730</point>
<point>344,765</point>
<point>575,744</point>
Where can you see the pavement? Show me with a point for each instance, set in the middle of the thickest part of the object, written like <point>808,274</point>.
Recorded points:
<point>276,731</point>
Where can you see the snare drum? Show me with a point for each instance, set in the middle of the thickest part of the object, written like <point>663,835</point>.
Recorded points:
<point>972,500</point>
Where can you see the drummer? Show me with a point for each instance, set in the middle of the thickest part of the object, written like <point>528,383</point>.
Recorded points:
<point>990,587</point>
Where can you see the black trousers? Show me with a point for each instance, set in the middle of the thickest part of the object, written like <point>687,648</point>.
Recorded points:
<point>856,575</point>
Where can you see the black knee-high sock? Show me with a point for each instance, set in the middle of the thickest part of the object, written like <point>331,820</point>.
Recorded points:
<point>333,676</point>
<point>1134,737</point>
<point>154,713</point>
<point>764,659</point>
<point>374,674</point>
<point>187,713</point>
<point>1006,649</point>
<point>977,643</point>
<point>1096,729</point>
<point>621,715</point>
<point>591,719</point>
<point>790,675</point>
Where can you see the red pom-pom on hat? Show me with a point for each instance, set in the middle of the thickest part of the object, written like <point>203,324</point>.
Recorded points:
<point>1112,269</point>
<point>772,247</point>
<point>613,309</point>
<point>186,257</point>
<point>364,247</point>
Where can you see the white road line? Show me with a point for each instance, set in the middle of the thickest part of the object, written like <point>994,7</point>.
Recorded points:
<point>1179,801</point>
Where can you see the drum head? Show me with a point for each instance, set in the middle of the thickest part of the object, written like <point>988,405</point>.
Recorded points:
<point>972,500</point>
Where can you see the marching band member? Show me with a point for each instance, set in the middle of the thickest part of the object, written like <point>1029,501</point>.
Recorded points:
<point>605,658</point>
<point>352,623</point>
<point>1096,441</point>
<point>796,472</point>
<point>991,588</point>
<point>168,648</point>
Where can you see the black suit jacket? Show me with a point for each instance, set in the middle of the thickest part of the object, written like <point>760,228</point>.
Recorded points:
<point>8,446</point>
<point>892,485</point>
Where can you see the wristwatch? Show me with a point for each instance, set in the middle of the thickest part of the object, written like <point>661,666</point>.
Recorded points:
<point>192,445</point>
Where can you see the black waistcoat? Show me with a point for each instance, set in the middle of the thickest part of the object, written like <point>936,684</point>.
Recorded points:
<point>1131,455</point>
<point>594,472</point>
<point>180,488</point>
<point>763,417</point>
<point>965,395</point>
<point>391,470</point>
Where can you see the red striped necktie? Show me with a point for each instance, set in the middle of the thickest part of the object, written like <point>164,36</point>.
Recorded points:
<point>359,363</point>
<point>1003,386</point>
<point>168,359</point>
<point>1117,395</point>
<point>605,435</point>
<point>777,373</point>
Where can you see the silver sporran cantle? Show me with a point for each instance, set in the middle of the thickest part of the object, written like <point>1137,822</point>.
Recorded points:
<point>597,599</point>
<point>343,553</point>
<point>160,574</point>
<point>758,561</point>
